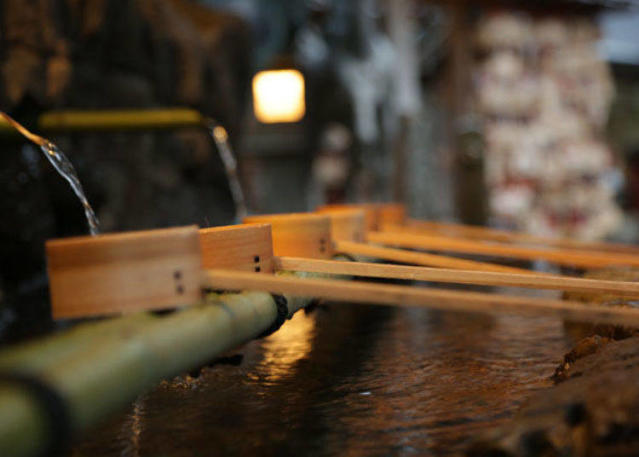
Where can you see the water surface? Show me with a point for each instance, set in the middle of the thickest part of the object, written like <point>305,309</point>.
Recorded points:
<point>350,380</point>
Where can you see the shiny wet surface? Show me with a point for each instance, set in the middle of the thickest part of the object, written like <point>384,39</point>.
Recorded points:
<point>346,380</point>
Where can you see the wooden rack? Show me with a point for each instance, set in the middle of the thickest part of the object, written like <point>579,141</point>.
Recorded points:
<point>168,268</point>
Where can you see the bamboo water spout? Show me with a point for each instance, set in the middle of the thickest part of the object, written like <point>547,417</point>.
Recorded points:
<point>63,166</point>
<point>108,120</point>
<point>151,119</point>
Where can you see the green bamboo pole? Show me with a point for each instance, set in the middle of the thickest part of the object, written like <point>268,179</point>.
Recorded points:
<point>119,119</point>
<point>112,120</point>
<point>23,428</point>
<point>33,356</point>
<point>109,368</point>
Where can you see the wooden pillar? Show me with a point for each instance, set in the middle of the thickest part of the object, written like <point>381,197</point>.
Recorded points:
<point>465,140</point>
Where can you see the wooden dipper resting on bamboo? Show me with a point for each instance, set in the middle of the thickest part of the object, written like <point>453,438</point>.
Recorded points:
<point>96,368</point>
<point>160,269</point>
<point>128,271</point>
<point>289,235</point>
<point>347,221</point>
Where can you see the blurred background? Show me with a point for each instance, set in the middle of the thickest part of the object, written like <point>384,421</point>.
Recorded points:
<point>513,114</point>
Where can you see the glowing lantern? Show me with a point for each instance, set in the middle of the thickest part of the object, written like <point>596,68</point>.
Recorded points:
<point>278,96</point>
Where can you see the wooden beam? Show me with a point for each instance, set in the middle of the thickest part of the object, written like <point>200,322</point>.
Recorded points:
<point>420,258</point>
<point>246,247</point>
<point>476,232</point>
<point>445,300</point>
<point>483,278</point>
<point>371,212</point>
<point>124,272</point>
<point>298,234</point>
<point>560,256</point>
<point>391,214</point>
<point>347,224</point>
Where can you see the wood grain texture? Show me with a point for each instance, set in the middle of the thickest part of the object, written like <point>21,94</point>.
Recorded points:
<point>447,300</point>
<point>371,213</point>
<point>247,247</point>
<point>560,256</point>
<point>376,270</point>
<point>485,233</point>
<point>298,234</point>
<point>391,214</point>
<point>124,272</point>
<point>347,224</point>
<point>421,258</point>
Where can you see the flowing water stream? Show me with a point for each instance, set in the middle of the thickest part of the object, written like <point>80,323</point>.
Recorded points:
<point>64,167</point>
<point>221,139</point>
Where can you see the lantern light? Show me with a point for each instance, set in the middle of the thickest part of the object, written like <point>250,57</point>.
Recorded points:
<point>278,96</point>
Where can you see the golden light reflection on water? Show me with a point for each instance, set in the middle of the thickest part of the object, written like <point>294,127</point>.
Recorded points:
<point>133,428</point>
<point>349,380</point>
<point>291,343</point>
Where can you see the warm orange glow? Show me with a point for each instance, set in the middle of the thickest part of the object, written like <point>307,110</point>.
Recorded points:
<point>290,344</point>
<point>219,133</point>
<point>278,96</point>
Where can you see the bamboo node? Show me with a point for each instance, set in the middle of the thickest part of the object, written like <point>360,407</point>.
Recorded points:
<point>282,314</point>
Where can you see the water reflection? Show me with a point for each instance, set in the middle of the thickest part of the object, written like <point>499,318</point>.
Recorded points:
<point>290,344</point>
<point>351,380</point>
<point>132,429</point>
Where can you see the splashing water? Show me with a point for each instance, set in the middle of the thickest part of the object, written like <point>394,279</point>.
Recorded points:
<point>63,166</point>
<point>220,137</point>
